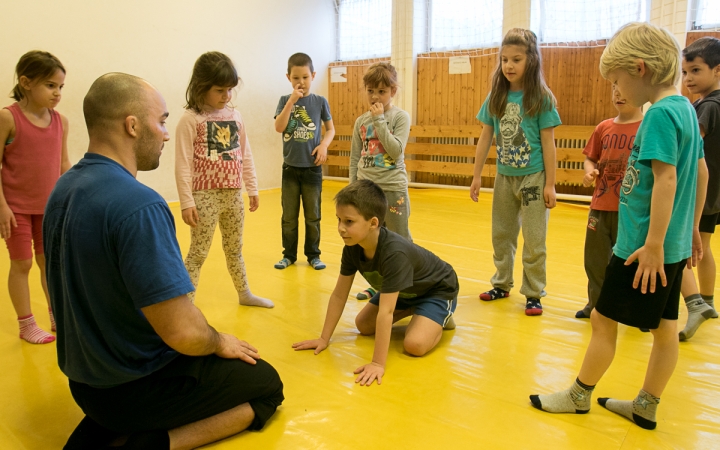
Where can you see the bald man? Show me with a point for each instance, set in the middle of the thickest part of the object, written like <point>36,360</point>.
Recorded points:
<point>144,365</point>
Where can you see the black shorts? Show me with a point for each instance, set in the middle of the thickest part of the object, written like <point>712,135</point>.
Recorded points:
<point>622,303</point>
<point>708,222</point>
<point>187,390</point>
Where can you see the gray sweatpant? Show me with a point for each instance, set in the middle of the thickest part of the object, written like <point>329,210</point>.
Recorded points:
<point>600,237</point>
<point>398,213</point>
<point>519,201</point>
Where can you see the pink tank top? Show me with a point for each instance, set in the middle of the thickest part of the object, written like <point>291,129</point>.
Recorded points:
<point>31,163</point>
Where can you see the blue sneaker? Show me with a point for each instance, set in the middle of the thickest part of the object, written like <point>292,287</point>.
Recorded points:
<point>283,264</point>
<point>317,264</point>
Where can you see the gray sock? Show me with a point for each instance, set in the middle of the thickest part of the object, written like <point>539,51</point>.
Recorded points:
<point>641,410</point>
<point>710,300</point>
<point>698,312</point>
<point>247,298</point>
<point>573,400</point>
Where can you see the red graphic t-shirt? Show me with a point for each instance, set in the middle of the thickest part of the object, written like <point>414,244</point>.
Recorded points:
<point>609,146</point>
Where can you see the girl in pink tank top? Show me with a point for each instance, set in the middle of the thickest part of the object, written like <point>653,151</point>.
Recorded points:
<point>33,154</point>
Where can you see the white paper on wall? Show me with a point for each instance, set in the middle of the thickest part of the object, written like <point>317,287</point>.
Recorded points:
<point>460,64</point>
<point>338,74</point>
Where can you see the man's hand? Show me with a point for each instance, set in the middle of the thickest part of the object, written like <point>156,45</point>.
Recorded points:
<point>697,249</point>
<point>376,109</point>
<point>549,196</point>
<point>317,344</point>
<point>254,203</point>
<point>231,347</point>
<point>650,263</point>
<point>368,373</point>
<point>7,222</point>
<point>475,189</point>
<point>190,216</point>
<point>590,177</point>
<point>297,94</point>
<point>320,154</point>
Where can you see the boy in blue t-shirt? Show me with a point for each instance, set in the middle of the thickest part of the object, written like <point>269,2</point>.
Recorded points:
<point>657,238</point>
<point>701,75</point>
<point>298,117</point>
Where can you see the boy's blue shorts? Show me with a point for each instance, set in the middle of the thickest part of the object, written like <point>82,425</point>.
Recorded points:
<point>436,309</point>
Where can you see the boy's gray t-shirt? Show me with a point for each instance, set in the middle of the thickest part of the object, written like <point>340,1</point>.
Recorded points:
<point>708,114</point>
<point>302,133</point>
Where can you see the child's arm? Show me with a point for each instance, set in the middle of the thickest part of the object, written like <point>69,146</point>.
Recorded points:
<point>320,152</point>
<point>383,328</point>
<point>547,141</point>
<point>185,135</point>
<point>483,147</point>
<point>591,172</point>
<point>7,218</point>
<point>393,142</point>
<point>64,156</point>
<point>248,165</point>
<point>650,256</point>
<point>282,119</point>
<point>336,305</point>
<point>355,151</point>
<point>700,193</point>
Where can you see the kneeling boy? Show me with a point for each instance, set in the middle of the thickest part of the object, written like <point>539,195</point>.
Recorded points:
<point>410,281</point>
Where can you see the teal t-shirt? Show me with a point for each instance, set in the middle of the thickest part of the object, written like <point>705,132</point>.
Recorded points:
<point>669,133</point>
<point>518,136</point>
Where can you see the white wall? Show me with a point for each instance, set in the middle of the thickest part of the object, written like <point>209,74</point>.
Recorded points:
<point>160,40</point>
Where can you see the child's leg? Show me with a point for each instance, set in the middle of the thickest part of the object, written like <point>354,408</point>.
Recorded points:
<point>398,213</point>
<point>663,359</point>
<point>19,287</point>
<point>366,319</point>
<point>599,241</point>
<point>534,217</point>
<point>598,357</point>
<point>231,219</point>
<point>422,335</point>
<point>201,236</point>
<point>707,272</point>
<point>698,310</point>
<point>505,230</point>
<point>311,192</point>
<point>290,199</point>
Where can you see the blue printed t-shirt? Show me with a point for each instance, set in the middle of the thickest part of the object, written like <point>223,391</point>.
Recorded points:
<point>517,136</point>
<point>111,249</point>
<point>303,130</point>
<point>670,134</point>
<point>401,266</point>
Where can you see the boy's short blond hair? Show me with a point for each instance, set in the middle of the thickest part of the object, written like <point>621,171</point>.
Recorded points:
<point>658,49</point>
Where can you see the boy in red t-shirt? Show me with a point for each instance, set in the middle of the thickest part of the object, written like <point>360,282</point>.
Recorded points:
<point>606,153</point>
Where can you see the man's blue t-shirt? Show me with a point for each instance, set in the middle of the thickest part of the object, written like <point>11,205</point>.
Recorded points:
<point>517,135</point>
<point>669,133</point>
<point>304,128</point>
<point>111,249</point>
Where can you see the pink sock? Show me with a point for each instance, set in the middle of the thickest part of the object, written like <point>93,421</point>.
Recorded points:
<point>53,327</point>
<point>31,332</point>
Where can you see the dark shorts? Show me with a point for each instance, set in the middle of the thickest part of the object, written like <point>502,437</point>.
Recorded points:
<point>436,309</point>
<point>622,303</point>
<point>708,222</point>
<point>187,390</point>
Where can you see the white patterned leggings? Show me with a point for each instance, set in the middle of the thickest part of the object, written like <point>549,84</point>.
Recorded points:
<point>226,207</point>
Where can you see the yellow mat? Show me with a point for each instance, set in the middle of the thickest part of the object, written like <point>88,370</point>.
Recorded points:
<point>470,392</point>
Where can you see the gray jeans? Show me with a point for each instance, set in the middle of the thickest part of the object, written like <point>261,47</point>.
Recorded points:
<point>600,237</point>
<point>518,201</point>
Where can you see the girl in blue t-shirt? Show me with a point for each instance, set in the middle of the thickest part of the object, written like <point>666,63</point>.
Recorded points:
<point>520,112</point>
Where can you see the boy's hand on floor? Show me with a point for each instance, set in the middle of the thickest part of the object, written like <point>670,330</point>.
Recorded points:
<point>650,264</point>
<point>317,344</point>
<point>369,373</point>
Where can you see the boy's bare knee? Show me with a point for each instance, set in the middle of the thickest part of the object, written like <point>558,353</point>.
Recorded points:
<point>363,327</point>
<point>416,347</point>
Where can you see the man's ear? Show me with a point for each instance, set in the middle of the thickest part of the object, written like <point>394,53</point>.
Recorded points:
<point>131,125</point>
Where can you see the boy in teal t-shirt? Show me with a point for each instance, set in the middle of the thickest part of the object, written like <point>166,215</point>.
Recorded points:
<point>661,202</point>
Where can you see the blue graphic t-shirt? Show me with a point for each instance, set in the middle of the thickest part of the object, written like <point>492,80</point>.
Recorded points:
<point>517,136</point>
<point>670,134</point>
<point>303,130</point>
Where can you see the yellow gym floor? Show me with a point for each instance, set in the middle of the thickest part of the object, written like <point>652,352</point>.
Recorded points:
<point>470,392</point>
